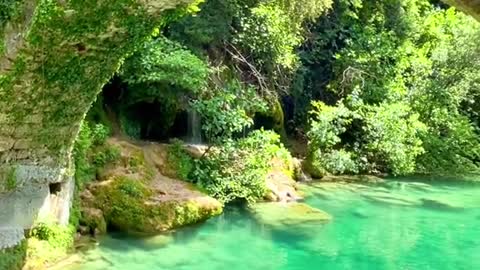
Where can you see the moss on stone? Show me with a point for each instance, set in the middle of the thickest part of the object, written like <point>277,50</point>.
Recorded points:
<point>14,258</point>
<point>46,243</point>
<point>179,161</point>
<point>8,178</point>
<point>12,179</point>
<point>94,220</point>
<point>274,117</point>
<point>128,206</point>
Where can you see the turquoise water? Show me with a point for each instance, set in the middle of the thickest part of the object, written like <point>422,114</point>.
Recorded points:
<point>396,225</point>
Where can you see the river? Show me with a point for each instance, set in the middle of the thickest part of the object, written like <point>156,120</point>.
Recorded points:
<point>392,225</point>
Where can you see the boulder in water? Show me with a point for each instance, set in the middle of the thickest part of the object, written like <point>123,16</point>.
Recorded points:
<point>94,220</point>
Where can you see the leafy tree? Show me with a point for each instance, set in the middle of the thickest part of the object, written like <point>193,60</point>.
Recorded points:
<point>161,64</point>
<point>408,73</point>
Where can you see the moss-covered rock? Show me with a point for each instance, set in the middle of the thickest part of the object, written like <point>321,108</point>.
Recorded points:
<point>272,119</point>
<point>94,220</point>
<point>129,205</point>
<point>14,258</point>
<point>132,194</point>
<point>280,183</point>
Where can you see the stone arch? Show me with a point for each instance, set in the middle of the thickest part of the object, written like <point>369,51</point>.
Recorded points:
<point>55,56</point>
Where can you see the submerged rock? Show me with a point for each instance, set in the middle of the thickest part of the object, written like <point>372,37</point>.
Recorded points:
<point>440,205</point>
<point>158,241</point>
<point>288,214</point>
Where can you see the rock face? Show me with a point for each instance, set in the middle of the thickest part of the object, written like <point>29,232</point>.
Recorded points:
<point>55,56</point>
<point>136,197</point>
<point>471,7</point>
<point>281,187</point>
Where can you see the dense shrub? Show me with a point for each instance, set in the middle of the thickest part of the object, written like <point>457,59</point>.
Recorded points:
<point>407,72</point>
<point>392,138</point>
<point>161,64</point>
<point>387,138</point>
<point>327,123</point>
<point>182,163</point>
<point>227,109</point>
<point>236,170</point>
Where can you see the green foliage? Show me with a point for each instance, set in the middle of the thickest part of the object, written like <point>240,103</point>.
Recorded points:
<point>331,162</point>
<point>83,144</point>
<point>380,138</point>
<point>226,110</point>
<point>259,35</point>
<point>132,188</point>
<point>90,152</point>
<point>210,27</point>
<point>392,138</point>
<point>327,123</point>
<point>14,258</point>
<point>132,128</point>
<point>166,63</point>
<point>236,170</point>
<point>267,34</point>
<point>53,233</point>
<point>162,72</point>
<point>180,160</point>
<point>11,183</point>
<point>104,155</point>
<point>49,241</point>
<point>9,9</point>
<point>407,73</point>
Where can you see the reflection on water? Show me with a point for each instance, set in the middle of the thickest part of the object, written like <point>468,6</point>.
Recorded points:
<point>396,225</point>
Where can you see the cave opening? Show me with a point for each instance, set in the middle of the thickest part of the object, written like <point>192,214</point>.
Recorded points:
<point>149,118</point>
<point>261,120</point>
<point>55,188</point>
<point>155,122</point>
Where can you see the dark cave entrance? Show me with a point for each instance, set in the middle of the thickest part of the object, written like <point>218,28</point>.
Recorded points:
<point>155,122</point>
<point>157,119</point>
<point>261,120</point>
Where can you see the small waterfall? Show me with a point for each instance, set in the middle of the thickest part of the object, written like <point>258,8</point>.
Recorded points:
<point>194,128</point>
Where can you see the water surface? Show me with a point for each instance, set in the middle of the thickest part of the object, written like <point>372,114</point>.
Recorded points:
<point>396,225</point>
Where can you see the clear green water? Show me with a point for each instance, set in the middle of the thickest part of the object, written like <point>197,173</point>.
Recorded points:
<point>399,225</point>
